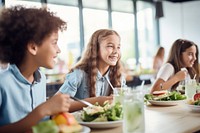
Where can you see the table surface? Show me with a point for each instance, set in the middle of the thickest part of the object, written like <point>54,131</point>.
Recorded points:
<point>165,119</point>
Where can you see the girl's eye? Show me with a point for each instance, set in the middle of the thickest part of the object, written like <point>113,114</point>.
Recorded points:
<point>190,54</point>
<point>110,46</point>
<point>54,43</point>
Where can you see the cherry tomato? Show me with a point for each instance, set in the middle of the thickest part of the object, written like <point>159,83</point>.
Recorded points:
<point>196,96</point>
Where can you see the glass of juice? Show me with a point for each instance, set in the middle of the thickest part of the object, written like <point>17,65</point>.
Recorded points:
<point>133,112</point>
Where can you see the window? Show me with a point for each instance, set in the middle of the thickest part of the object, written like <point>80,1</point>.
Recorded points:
<point>64,2</point>
<point>146,33</point>
<point>122,5</point>
<point>99,4</point>
<point>94,20</point>
<point>33,3</point>
<point>123,23</point>
<point>69,41</point>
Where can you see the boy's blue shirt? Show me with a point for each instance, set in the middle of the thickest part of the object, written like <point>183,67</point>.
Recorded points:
<point>18,96</point>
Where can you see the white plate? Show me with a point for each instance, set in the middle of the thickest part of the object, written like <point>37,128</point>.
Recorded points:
<point>193,108</point>
<point>108,124</point>
<point>165,103</point>
<point>85,130</point>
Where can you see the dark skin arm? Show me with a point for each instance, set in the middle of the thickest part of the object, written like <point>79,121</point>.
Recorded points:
<point>56,104</point>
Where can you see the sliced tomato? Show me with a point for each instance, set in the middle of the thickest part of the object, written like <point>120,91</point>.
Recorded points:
<point>196,96</point>
<point>160,92</point>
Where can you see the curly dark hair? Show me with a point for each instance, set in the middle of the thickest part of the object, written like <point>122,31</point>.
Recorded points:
<point>20,26</point>
<point>90,59</point>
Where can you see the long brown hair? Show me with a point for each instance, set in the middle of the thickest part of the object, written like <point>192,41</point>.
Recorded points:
<point>89,61</point>
<point>160,52</point>
<point>175,58</point>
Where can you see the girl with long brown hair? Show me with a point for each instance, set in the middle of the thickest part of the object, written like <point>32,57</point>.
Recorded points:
<point>182,63</point>
<point>158,59</point>
<point>99,63</point>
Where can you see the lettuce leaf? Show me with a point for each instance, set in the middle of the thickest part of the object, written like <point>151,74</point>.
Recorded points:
<point>45,127</point>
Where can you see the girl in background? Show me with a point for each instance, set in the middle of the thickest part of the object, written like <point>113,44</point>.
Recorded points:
<point>158,59</point>
<point>183,54</point>
<point>100,62</point>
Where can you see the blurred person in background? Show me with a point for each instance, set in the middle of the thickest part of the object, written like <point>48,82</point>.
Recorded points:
<point>158,59</point>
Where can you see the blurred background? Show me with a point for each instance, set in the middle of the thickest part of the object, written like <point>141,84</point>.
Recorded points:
<point>144,26</point>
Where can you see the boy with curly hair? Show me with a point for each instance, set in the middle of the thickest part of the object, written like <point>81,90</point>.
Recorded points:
<point>28,40</point>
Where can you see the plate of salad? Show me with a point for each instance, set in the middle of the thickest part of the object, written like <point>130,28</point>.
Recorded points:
<point>103,125</point>
<point>165,98</point>
<point>106,116</point>
<point>194,108</point>
<point>194,103</point>
<point>165,103</point>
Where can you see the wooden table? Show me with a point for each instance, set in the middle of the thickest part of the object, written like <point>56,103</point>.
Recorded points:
<point>165,119</point>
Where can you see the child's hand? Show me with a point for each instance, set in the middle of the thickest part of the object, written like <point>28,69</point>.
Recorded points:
<point>102,99</point>
<point>57,104</point>
<point>181,75</point>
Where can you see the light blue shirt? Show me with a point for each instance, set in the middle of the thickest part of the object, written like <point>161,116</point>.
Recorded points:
<point>18,97</point>
<point>76,84</point>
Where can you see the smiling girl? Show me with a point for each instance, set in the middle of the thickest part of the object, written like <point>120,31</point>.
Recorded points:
<point>182,63</point>
<point>101,62</point>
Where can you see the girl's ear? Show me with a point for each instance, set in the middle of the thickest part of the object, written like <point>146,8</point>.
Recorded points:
<point>32,48</point>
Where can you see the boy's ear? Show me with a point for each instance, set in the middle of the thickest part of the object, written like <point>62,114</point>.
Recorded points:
<point>32,48</point>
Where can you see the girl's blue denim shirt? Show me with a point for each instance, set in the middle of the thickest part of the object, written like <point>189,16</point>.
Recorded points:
<point>76,84</point>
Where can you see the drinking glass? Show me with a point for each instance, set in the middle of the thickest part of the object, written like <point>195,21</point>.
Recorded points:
<point>198,87</point>
<point>190,88</point>
<point>133,112</point>
<point>181,85</point>
<point>118,94</point>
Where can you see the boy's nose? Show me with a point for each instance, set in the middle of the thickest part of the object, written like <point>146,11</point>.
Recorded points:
<point>58,50</point>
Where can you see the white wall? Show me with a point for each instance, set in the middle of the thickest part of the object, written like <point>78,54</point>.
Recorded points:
<point>181,20</point>
<point>191,21</point>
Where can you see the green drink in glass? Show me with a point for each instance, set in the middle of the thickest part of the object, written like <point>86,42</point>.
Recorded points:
<point>118,95</point>
<point>133,112</point>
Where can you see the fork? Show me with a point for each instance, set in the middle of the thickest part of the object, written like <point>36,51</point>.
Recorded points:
<point>82,101</point>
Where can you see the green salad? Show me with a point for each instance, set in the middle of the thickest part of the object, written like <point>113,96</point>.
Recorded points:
<point>48,126</point>
<point>197,102</point>
<point>169,96</point>
<point>97,113</point>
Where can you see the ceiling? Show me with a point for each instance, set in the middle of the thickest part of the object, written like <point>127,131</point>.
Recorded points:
<point>180,0</point>
<point>175,1</point>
